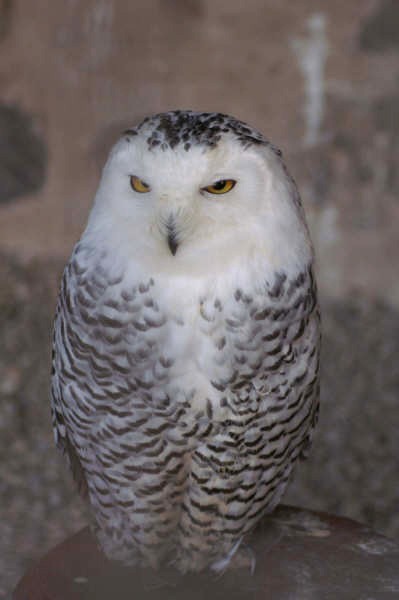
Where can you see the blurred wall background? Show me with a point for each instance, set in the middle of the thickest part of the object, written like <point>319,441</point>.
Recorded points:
<point>321,80</point>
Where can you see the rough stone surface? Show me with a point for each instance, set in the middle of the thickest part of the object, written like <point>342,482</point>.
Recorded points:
<point>354,464</point>
<point>38,505</point>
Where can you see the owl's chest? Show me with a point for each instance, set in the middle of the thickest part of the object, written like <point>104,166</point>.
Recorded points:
<point>178,335</point>
<point>158,347</point>
<point>185,326</point>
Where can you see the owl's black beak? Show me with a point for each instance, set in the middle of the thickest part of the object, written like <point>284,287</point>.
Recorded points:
<point>172,235</point>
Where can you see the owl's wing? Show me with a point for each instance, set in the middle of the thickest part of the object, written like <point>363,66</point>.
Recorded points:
<point>314,390</point>
<point>307,443</point>
<point>61,437</point>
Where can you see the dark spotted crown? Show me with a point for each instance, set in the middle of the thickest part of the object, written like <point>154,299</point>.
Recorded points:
<point>189,128</point>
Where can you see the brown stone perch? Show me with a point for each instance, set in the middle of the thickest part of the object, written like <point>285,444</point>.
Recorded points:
<point>301,555</point>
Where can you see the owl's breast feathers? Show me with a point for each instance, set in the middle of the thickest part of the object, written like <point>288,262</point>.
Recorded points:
<point>183,429</point>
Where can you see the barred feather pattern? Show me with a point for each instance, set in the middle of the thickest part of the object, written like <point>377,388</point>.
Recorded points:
<point>172,472</point>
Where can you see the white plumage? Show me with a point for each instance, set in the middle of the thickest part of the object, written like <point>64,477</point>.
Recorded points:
<point>186,341</point>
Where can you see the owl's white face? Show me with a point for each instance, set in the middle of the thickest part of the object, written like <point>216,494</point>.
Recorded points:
<point>157,206</point>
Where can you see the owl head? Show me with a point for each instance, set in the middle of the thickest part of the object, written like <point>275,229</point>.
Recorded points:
<point>184,188</point>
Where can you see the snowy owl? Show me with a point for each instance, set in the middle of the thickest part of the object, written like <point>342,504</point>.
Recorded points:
<point>186,342</point>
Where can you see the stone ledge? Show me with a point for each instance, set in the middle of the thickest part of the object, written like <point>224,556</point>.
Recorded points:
<point>300,554</point>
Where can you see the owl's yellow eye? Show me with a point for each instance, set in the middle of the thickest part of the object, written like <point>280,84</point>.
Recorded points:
<point>139,185</point>
<point>220,187</point>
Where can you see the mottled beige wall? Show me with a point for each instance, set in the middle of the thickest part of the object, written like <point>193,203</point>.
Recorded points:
<point>318,78</point>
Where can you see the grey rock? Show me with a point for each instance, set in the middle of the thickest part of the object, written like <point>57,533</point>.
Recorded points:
<point>23,154</point>
<point>380,32</point>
